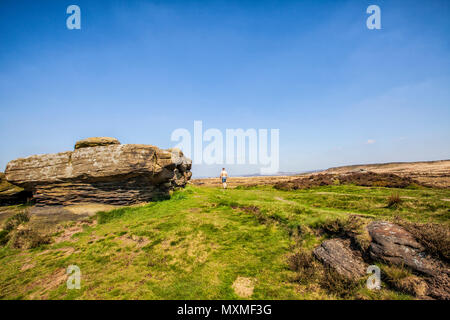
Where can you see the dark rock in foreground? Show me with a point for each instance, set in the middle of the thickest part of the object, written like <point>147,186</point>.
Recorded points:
<point>336,254</point>
<point>111,174</point>
<point>393,244</point>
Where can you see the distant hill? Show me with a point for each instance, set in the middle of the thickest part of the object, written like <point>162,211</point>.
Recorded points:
<point>436,173</point>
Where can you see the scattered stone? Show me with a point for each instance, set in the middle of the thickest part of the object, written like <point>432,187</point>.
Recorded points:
<point>336,254</point>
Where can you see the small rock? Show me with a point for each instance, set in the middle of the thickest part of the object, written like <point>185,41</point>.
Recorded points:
<point>95,142</point>
<point>11,194</point>
<point>336,254</point>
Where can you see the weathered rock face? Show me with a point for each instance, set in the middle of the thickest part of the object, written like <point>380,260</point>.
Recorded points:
<point>11,194</point>
<point>335,254</point>
<point>393,244</point>
<point>112,174</point>
<point>95,142</point>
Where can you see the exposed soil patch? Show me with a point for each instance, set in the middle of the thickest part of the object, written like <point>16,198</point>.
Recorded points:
<point>48,284</point>
<point>68,233</point>
<point>8,212</point>
<point>27,266</point>
<point>284,200</point>
<point>89,209</point>
<point>134,240</point>
<point>244,287</point>
<point>26,238</point>
<point>430,173</point>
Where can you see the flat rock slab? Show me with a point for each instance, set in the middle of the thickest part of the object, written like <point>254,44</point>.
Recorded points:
<point>337,255</point>
<point>393,244</point>
<point>95,142</point>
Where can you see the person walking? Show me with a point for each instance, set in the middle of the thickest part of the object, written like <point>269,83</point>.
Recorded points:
<point>224,176</point>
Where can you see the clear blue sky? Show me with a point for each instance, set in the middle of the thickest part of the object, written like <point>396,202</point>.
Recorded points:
<point>137,70</point>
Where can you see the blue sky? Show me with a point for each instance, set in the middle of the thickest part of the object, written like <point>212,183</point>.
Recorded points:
<point>137,70</point>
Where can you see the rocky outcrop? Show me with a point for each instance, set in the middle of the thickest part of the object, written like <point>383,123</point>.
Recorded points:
<point>336,254</point>
<point>112,174</point>
<point>95,142</point>
<point>11,194</point>
<point>393,244</point>
<point>390,244</point>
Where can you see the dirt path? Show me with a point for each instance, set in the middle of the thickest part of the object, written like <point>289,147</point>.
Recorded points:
<point>284,200</point>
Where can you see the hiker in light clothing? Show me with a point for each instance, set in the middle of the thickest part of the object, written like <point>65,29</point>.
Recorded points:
<point>224,176</point>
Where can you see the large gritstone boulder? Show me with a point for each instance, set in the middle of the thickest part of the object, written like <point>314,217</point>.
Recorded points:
<point>112,174</point>
<point>393,244</point>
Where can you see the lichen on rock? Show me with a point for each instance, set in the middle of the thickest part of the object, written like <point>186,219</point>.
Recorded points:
<point>336,254</point>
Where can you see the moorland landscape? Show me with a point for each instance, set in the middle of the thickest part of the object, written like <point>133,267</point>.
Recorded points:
<point>307,236</point>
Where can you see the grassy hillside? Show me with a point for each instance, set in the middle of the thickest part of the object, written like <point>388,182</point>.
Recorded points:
<point>198,243</point>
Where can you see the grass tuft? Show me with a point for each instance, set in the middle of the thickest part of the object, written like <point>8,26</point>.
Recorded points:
<point>394,201</point>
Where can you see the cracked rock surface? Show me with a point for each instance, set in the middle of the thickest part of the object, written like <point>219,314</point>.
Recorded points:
<point>110,173</point>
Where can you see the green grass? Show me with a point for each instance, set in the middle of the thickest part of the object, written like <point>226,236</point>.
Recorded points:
<point>196,244</point>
